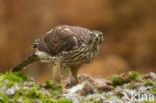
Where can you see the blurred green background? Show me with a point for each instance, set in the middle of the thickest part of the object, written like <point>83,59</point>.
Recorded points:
<point>129,28</point>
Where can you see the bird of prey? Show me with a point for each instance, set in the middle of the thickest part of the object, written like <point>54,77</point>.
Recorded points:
<point>65,46</point>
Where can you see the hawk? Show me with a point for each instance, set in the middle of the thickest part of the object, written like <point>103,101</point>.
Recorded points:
<point>65,46</point>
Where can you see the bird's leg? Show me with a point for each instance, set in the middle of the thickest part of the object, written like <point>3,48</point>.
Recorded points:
<point>58,73</point>
<point>74,72</point>
<point>72,80</point>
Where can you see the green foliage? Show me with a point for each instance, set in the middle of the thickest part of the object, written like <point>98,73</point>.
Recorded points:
<point>93,100</point>
<point>50,84</point>
<point>10,84</point>
<point>153,90</point>
<point>35,93</point>
<point>18,74</point>
<point>63,101</point>
<point>147,82</point>
<point>16,77</point>
<point>3,98</point>
<point>122,79</point>
<point>117,81</point>
<point>133,76</point>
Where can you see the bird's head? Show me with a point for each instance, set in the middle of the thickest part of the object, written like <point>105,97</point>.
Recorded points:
<point>96,37</point>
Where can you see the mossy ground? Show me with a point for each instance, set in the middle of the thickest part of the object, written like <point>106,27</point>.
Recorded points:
<point>18,88</point>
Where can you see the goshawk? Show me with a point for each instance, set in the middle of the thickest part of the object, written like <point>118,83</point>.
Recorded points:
<point>65,46</point>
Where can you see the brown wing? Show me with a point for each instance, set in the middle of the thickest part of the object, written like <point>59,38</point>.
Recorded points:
<point>62,38</point>
<point>57,40</point>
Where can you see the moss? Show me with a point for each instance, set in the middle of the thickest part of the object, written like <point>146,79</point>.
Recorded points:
<point>34,94</point>
<point>63,101</point>
<point>153,90</point>
<point>108,96</point>
<point>3,98</point>
<point>147,82</point>
<point>122,79</point>
<point>50,84</point>
<point>148,101</point>
<point>93,100</point>
<point>10,84</point>
<point>117,81</point>
<point>132,76</point>
<point>16,77</point>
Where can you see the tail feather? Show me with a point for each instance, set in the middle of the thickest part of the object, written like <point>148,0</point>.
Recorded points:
<point>29,60</point>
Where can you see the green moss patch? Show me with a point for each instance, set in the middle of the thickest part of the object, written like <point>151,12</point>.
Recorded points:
<point>18,88</point>
<point>124,78</point>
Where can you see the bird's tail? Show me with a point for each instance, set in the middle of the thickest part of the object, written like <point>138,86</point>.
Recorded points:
<point>29,60</point>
